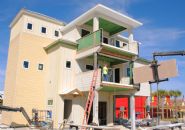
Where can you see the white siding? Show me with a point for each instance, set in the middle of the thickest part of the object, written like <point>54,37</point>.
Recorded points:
<point>144,87</point>
<point>83,80</point>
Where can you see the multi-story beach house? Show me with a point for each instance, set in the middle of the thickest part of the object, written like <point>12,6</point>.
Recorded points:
<point>51,64</point>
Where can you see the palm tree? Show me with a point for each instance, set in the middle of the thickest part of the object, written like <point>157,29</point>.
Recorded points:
<point>162,94</point>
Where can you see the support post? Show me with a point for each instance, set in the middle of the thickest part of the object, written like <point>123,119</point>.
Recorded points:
<point>95,24</point>
<point>130,36</point>
<point>132,112</point>
<point>96,95</point>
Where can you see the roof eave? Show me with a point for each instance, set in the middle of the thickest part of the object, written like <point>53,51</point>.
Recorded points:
<point>101,10</point>
<point>35,14</point>
<point>58,42</point>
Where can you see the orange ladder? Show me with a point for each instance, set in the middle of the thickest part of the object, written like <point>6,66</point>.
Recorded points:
<point>90,98</point>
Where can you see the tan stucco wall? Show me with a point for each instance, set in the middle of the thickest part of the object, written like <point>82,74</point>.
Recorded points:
<point>26,87</point>
<point>10,79</point>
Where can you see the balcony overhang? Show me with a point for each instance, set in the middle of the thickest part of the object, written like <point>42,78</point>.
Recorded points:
<point>113,51</point>
<point>108,26</point>
<point>114,87</point>
<point>107,16</point>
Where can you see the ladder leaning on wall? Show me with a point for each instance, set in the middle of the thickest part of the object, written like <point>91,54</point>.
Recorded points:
<point>90,98</point>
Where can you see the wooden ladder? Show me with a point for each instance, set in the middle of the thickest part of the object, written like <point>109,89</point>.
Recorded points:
<point>90,98</point>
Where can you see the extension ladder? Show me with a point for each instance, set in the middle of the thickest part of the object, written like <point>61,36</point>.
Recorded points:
<point>90,98</point>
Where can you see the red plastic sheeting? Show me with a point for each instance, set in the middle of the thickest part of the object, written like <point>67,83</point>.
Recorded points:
<point>122,102</point>
<point>140,102</point>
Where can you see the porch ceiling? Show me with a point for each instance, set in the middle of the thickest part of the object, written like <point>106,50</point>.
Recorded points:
<point>108,26</point>
<point>111,60</point>
<point>114,87</point>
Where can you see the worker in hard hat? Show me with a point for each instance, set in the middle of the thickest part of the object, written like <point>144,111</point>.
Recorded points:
<point>105,73</point>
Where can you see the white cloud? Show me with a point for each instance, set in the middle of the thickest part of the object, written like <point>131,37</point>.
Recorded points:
<point>154,37</point>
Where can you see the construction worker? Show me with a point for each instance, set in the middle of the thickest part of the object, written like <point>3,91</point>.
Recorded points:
<point>105,73</point>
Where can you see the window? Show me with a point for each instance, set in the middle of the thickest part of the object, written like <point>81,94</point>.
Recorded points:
<point>89,67</point>
<point>40,66</point>
<point>68,64</point>
<point>84,32</point>
<point>105,40</point>
<point>50,102</point>
<point>43,30</point>
<point>29,26</point>
<point>128,72</point>
<point>25,64</point>
<point>117,43</point>
<point>56,33</point>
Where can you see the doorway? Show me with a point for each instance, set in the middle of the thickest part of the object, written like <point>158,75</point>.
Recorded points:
<point>102,113</point>
<point>67,108</point>
<point>117,75</point>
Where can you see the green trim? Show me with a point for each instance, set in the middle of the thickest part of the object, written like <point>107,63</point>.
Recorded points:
<point>117,51</point>
<point>108,26</point>
<point>140,59</point>
<point>90,40</point>
<point>62,43</point>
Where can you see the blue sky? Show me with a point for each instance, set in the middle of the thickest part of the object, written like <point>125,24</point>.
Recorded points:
<point>163,26</point>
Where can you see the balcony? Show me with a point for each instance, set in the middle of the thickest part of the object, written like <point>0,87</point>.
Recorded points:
<point>83,82</point>
<point>93,42</point>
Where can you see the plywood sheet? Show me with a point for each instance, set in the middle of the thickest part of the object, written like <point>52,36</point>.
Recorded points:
<point>166,69</point>
<point>142,74</point>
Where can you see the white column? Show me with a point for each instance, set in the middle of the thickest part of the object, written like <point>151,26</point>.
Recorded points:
<point>96,95</point>
<point>95,24</point>
<point>130,36</point>
<point>132,112</point>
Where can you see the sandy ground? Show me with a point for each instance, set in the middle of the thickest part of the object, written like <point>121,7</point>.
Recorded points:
<point>5,127</point>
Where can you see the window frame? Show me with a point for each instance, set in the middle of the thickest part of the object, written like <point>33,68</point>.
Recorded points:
<point>31,26</point>
<point>45,30</point>
<point>128,72</point>
<point>50,100</point>
<point>38,66</point>
<point>66,64</point>
<point>23,64</point>
<point>89,65</point>
<point>117,43</point>
<point>107,40</point>
<point>55,33</point>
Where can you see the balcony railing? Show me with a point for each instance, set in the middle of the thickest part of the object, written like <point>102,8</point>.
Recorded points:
<point>83,80</point>
<point>95,38</point>
<point>90,40</point>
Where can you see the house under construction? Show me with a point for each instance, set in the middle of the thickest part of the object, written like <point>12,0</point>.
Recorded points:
<point>51,64</point>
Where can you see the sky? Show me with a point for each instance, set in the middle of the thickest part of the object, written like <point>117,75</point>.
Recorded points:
<point>163,26</point>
